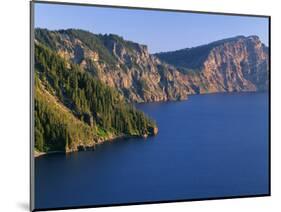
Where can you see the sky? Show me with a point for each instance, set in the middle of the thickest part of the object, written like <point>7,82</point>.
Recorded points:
<point>160,31</point>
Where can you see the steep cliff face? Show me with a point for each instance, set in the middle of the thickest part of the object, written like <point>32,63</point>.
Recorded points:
<point>124,65</point>
<point>229,65</point>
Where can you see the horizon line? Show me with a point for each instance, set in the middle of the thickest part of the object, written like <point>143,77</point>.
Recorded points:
<point>183,48</point>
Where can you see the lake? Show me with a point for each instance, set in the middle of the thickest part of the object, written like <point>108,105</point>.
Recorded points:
<point>211,145</point>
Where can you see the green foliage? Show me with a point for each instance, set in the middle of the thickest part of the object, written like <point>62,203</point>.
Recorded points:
<point>89,109</point>
<point>94,43</point>
<point>109,38</point>
<point>39,144</point>
<point>192,58</point>
<point>56,129</point>
<point>44,36</point>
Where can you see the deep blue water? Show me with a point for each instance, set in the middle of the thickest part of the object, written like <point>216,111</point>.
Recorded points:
<point>208,146</point>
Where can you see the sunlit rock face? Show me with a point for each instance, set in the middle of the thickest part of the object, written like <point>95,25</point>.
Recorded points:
<point>230,65</point>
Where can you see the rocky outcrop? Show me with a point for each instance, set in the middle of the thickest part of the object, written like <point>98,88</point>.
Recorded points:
<point>229,65</point>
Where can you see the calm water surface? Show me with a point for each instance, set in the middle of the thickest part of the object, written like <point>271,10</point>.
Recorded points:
<point>208,146</point>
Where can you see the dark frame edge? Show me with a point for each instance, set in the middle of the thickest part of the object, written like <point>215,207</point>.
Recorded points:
<point>31,102</point>
<point>152,202</point>
<point>269,105</point>
<point>32,184</point>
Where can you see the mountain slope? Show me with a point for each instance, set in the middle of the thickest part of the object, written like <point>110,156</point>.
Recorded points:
<point>75,111</point>
<point>123,65</point>
<point>56,127</point>
<point>235,64</point>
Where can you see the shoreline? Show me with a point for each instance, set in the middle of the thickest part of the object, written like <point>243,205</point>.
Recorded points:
<point>38,154</point>
<point>200,94</point>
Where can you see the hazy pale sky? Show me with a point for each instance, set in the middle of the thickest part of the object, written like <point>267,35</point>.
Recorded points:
<point>161,31</point>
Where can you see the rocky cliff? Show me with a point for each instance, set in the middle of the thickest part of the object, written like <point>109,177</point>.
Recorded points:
<point>229,65</point>
<point>124,65</point>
